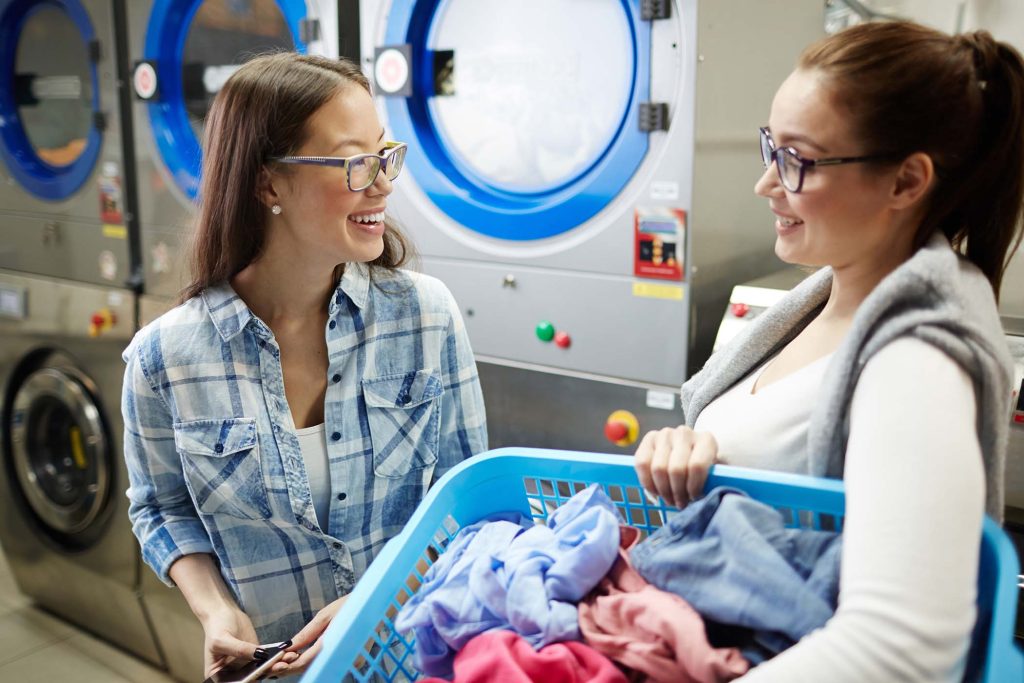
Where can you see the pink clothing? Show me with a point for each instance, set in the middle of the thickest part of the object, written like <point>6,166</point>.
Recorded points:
<point>504,657</point>
<point>656,633</point>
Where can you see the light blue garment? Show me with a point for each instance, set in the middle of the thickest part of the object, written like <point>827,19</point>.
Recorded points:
<point>215,465</point>
<point>513,575</point>
<point>732,558</point>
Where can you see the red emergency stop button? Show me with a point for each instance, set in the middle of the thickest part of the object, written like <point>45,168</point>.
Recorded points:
<point>101,321</point>
<point>740,309</point>
<point>622,428</point>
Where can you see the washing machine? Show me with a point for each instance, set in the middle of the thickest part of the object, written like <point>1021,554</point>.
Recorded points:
<point>65,177</point>
<point>182,51</point>
<point>63,514</point>
<point>580,175</point>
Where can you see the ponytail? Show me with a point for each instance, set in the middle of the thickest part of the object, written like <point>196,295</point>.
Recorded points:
<point>959,99</point>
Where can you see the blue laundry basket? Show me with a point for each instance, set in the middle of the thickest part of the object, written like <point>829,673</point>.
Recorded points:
<point>363,645</point>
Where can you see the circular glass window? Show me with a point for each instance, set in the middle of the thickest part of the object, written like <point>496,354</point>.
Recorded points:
<point>61,456</point>
<point>224,34</point>
<point>532,104</point>
<point>53,86</point>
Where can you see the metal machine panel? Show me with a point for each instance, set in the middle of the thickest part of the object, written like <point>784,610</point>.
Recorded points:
<point>63,180</point>
<point>698,169</point>
<point>503,306</point>
<point>60,390</point>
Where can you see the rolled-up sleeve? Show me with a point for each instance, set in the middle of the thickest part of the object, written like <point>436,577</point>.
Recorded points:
<point>163,517</point>
<point>463,418</point>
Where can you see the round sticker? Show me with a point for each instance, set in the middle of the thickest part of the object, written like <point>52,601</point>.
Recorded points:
<point>144,80</point>
<point>391,70</point>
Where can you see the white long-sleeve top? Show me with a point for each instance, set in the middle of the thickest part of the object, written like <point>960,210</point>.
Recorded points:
<point>915,497</point>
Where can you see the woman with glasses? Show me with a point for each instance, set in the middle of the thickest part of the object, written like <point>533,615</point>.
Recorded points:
<point>283,422</point>
<point>894,159</point>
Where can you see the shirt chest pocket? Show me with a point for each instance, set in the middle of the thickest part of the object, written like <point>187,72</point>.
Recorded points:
<point>221,463</point>
<point>404,418</point>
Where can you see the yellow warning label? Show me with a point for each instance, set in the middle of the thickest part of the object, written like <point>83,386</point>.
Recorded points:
<point>117,232</point>
<point>77,452</point>
<point>651,290</point>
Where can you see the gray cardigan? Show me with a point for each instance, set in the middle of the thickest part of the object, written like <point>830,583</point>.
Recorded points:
<point>936,296</point>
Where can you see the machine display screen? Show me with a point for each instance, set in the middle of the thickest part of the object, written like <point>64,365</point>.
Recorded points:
<point>12,302</point>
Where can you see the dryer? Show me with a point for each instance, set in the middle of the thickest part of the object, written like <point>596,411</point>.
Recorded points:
<point>182,51</point>
<point>580,175</point>
<point>63,514</point>
<point>64,174</point>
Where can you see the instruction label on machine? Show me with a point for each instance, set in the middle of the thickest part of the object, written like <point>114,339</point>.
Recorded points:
<point>659,235</point>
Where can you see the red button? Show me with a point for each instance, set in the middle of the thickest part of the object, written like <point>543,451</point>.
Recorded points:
<point>739,309</point>
<point>562,340</point>
<point>616,431</point>
<point>1019,418</point>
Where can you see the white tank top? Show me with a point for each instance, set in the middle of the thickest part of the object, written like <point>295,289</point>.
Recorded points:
<point>766,430</point>
<point>313,444</point>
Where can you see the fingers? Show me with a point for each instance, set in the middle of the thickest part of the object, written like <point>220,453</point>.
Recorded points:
<point>703,456</point>
<point>677,470</point>
<point>674,463</point>
<point>298,665</point>
<point>309,633</point>
<point>226,645</point>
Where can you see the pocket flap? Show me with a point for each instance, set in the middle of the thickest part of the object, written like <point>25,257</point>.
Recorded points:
<point>216,438</point>
<point>403,390</point>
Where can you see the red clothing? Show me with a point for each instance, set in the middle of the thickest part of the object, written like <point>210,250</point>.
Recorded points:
<point>651,631</point>
<point>504,657</point>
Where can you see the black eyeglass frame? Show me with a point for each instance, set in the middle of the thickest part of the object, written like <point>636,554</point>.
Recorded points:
<point>391,149</point>
<point>770,154</point>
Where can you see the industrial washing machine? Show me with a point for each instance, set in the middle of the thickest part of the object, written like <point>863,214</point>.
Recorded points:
<point>63,514</point>
<point>580,175</point>
<point>64,173</point>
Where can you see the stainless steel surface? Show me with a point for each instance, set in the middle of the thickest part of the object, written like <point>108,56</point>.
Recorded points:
<point>529,406</point>
<point>175,627</point>
<point>1014,477</point>
<point>68,238</point>
<point>89,575</point>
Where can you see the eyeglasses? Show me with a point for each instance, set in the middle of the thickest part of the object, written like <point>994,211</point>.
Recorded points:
<point>361,170</point>
<point>791,166</point>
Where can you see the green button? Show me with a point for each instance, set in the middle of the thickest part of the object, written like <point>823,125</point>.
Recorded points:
<point>545,331</point>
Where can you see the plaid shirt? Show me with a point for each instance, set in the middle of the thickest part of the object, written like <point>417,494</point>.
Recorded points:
<point>214,464</point>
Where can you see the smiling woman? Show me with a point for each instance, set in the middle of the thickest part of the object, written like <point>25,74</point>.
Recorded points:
<point>283,422</point>
<point>894,158</point>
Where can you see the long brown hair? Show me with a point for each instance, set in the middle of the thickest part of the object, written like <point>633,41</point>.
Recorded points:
<point>959,99</point>
<point>260,113</point>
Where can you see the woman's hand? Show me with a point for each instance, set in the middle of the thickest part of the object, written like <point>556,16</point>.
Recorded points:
<point>674,462</point>
<point>229,636</point>
<point>308,639</point>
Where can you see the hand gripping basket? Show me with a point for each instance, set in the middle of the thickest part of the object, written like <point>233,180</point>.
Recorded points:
<point>362,644</point>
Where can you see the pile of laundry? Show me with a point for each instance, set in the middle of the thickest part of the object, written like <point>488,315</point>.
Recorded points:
<point>723,586</point>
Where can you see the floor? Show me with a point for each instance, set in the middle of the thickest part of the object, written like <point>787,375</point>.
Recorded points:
<point>36,647</point>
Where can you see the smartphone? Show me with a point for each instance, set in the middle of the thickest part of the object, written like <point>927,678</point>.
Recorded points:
<point>254,670</point>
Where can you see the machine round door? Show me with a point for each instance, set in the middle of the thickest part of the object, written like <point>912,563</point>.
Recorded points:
<point>520,125</point>
<point>49,96</point>
<point>192,47</point>
<point>61,455</point>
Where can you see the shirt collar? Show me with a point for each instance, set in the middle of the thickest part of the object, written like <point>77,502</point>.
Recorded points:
<point>355,284</point>
<point>227,311</point>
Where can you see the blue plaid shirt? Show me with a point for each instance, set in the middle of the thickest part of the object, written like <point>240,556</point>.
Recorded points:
<point>214,464</point>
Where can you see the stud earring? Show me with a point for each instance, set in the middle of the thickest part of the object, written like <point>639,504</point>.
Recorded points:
<point>276,209</point>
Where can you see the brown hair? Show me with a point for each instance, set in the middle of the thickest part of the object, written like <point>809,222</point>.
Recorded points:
<point>959,99</point>
<point>260,113</point>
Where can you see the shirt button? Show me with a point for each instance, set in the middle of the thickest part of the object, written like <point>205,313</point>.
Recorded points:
<point>219,448</point>
<point>336,379</point>
<point>336,436</point>
<point>342,496</point>
<point>337,546</point>
<point>332,324</point>
<point>404,399</point>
